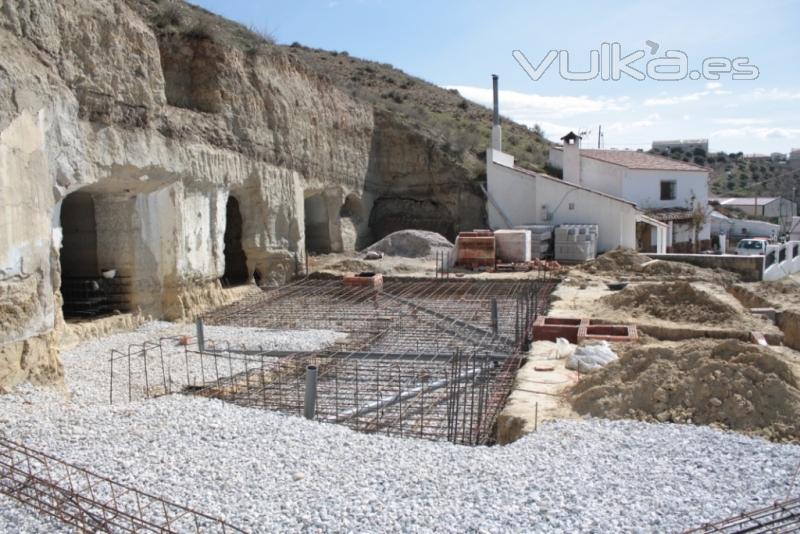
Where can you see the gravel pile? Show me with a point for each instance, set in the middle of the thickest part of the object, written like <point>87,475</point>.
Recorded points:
<point>412,244</point>
<point>266,472</point>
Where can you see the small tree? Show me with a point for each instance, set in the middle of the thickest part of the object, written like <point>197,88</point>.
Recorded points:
<point>698,220</point>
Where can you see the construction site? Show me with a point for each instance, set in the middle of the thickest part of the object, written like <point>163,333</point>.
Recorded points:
<point>245,287</point>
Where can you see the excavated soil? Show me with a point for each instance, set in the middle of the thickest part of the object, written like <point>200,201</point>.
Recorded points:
<point>729,384</point>
<point>671,301</point>
<point>623,262</point>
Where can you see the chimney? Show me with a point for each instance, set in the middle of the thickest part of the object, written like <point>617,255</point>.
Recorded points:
<point>497,136</point>
<point>571,164</point>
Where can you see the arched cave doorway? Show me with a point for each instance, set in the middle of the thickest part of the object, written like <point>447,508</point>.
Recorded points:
<point>318,234</point>
<point>90,287</point>
<point>236,272</point>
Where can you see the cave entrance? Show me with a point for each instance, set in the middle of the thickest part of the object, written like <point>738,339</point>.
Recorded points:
<point>318,234</point>
<point>88,289</point>
<point>236,272</point>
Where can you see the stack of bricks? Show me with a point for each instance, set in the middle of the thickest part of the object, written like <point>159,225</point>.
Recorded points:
<point>364,280</point>
<point>476,249</point>
<point>576,331</point>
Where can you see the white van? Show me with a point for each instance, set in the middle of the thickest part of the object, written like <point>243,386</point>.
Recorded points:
<point>752,247</point>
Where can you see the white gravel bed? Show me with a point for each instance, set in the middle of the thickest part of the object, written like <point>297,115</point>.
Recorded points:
<point>267,472</point>
<point>87,371</point>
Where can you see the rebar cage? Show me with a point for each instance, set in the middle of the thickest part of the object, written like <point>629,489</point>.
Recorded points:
<point>432,359</point>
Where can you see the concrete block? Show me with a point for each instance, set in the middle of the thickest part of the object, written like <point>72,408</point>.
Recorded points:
<point>513,246</point>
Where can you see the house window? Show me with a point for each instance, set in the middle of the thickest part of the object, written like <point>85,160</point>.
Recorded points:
<point>572,205</point>
<point>668,190</point>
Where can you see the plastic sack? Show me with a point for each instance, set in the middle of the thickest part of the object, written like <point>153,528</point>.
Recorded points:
<point>591,358</point>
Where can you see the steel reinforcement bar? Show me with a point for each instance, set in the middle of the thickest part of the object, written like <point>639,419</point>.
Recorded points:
<point>90,502</point>
<point>781,517</point>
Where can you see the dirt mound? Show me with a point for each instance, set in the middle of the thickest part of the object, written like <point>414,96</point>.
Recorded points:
<point>629,263</point>
<point>730,384</point>
<point>674,301</point>
<point>411,244</point>
<point>352,266</point>
<point>617,260</point>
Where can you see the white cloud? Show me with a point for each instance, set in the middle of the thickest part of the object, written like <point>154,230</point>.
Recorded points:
<point>691,97</point>
<point>759,132</point>
<point>713,85</point>
<point>530,108</point>
<point>742,121</point>
<point>773,94</point>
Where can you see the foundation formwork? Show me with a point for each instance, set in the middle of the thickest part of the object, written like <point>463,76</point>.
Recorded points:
<point>432,359</point>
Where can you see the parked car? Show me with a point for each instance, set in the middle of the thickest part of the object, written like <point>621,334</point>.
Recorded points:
<point>752,247</point>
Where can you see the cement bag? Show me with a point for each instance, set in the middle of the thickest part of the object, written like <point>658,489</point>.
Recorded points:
<point>563,348</point>
<point>590,358</point>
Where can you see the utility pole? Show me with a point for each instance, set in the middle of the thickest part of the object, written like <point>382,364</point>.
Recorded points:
<point>599,135</point>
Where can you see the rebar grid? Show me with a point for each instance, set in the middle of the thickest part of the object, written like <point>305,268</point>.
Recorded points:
<point>90,502</point>
<point>428,359</point>
<point>782,517</point>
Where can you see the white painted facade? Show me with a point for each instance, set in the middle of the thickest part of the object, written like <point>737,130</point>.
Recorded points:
<point>640,186</point>
<point>518,197</point>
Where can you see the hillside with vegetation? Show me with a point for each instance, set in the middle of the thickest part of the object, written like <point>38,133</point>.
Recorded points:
<point>459,127</point>
<point>457,124</point>
<point>733,174</point>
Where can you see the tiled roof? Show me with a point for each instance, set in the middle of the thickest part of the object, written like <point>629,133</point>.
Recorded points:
<point>633,159</point>
<point>669,214</point>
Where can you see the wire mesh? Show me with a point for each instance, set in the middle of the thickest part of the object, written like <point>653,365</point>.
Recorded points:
<point>421,358</point>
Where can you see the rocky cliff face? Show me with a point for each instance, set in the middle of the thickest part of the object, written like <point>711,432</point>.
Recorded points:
<point>155,141</point>
<point>157,131</point>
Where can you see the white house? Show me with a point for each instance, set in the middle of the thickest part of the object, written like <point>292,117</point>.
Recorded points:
<point>736,229</point>
<point>778,208</point>
<point>673,192</point>
<point>518,197</point>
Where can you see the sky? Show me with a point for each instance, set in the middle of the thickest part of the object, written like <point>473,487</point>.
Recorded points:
<point>460,44</point>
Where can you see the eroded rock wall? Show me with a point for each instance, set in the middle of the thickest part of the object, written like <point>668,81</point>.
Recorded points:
<point>159,130</point>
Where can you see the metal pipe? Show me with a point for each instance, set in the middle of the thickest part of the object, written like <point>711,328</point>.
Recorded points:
<point>401,396</point>
<point>310,403</point>
<point>494,315</point>
<point>496,115</point>
<point>201,342</point>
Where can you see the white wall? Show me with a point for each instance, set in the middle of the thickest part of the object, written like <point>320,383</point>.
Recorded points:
<point>527,199</point>
<point>644,188</point>
<point>603,176</point>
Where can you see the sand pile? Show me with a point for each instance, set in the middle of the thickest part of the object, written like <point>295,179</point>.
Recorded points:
<point>731,384</point>
<point>615,261</point>
<point>352,266</point>
<point>674,301</point>
<point>412,244</point>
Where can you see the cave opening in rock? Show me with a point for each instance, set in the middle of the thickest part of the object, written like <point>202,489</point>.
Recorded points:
<point>88,287</point>
<point>236,272</point>
<point>318,234</point>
